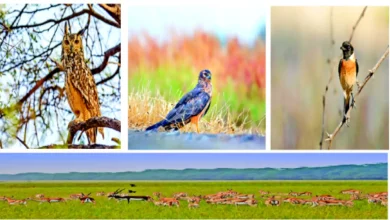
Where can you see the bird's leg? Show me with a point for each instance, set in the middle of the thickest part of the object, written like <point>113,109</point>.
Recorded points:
<point>358,85</point>
<point>353,101</point>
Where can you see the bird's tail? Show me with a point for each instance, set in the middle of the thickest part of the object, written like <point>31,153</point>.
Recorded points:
<point>101,131</point>
<point>156,126</point>
<point>346,103</point>
<point>91,134</point>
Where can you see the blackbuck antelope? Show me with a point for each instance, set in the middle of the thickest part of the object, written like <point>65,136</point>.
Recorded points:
<point>76,196</point>
<point>170,202</point>
<point>180,195</point>
<point>377,195</point>
<point>250,202</point>
<point>194,199</point>
<point>86,199</point>
<point>297,201</point>
<point>12,201</point>
<point>335,202</point>
<point>115,195</point>
<point>305,194</point>
<point>272,201</point>
<point>377,199</point>
<point>244,196</point>
<point>49,200</point>
<point>350,191</point>
<point>128,198</point>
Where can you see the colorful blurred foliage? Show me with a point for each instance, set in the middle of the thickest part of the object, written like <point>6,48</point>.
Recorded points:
<point>171,69</point>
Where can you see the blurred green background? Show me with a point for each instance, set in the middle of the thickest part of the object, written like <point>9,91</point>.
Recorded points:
<point>300,48</point>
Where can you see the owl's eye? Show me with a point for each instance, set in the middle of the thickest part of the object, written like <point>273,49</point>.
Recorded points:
<point>76,41</point>
<point>66,42</point>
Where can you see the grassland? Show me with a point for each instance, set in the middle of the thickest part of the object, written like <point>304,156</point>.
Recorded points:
<point>105,208</point>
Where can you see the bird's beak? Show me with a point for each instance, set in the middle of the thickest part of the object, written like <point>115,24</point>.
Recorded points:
<point>209,77</point>
<point>342,48</point>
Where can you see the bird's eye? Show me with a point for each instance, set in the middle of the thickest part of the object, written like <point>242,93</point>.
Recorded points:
<point>66,42</point>
<point>76,41</point>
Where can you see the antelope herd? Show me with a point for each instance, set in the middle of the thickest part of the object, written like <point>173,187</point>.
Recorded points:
<point>228,197</point>
<point>231,197</point>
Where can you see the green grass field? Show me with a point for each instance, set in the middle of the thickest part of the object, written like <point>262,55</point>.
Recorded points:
<point>105,208</point>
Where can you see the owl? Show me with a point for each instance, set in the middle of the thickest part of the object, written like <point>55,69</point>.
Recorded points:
<point>80,86</point>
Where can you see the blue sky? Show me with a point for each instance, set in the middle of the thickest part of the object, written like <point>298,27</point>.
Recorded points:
<point>234,20</point>
<point>11,163</point>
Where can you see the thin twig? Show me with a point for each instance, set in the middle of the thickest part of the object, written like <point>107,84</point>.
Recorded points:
<point>22,142</point>
<point>329,61</point>
<point>357,23</point>
<point>368,77</point>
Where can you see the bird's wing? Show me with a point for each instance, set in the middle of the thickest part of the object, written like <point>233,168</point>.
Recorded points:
<point>357,67</point>
<point>191,104</point>
<point>340,64</point>
<point>87,87</point>
<point>187,97</point>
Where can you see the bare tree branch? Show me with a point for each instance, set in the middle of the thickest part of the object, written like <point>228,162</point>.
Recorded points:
<point>89,11</point>
<point>110,52</point>
<point>94,122</point>
<point>368,77</point>
<point>114,10</point>
<point>357,23</point>
<point>103,81</point>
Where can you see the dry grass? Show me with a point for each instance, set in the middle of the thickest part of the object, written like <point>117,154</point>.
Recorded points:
<point>146,109</point>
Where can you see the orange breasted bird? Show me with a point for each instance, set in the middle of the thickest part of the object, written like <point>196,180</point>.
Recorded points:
<point>348,72</point>
<point>191,107</point>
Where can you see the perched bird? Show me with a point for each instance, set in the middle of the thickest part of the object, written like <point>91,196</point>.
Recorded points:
<point>348,72</point>
<point>80,86</point>
<point>191,107</point>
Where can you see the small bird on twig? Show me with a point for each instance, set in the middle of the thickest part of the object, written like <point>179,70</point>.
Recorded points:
<point>348,72</point>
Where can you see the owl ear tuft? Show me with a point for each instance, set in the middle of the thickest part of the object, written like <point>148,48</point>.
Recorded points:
<point>81,32</point>
<point>66,29</point>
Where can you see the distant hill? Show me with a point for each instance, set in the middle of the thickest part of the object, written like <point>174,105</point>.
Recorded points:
<point>342,172</point>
